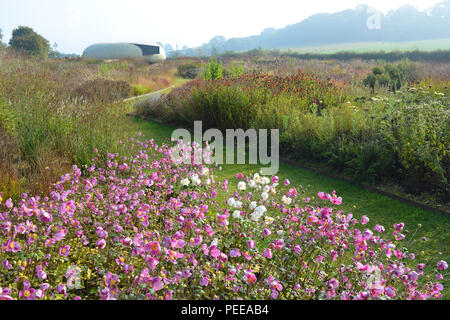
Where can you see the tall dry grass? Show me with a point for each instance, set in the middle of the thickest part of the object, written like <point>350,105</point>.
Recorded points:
<point>46,127</point>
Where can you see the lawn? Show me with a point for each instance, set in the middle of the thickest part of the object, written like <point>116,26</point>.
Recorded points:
<point>357,200</point>
<point>422,45</point>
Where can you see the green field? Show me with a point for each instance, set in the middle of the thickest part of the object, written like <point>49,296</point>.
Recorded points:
<point>423,45</point>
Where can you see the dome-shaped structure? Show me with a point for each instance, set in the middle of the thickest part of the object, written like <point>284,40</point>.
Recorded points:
<point>151,53</point>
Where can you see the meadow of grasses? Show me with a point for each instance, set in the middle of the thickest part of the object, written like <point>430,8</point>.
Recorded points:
<point>54,113</point>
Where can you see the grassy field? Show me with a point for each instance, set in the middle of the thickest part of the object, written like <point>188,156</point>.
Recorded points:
<point>423,45</point>
<point>381,209</point>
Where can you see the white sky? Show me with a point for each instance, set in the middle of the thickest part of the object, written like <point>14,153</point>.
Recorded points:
<point>75,24</point>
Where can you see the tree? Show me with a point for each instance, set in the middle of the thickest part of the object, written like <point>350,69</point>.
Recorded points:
<point>26,40</point>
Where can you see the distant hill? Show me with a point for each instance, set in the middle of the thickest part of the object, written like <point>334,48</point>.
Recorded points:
<point>363,24</point>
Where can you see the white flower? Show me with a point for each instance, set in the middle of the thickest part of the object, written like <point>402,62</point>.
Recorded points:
<point>280,232</point>
<point>261,210</point>
<point>231,202</point>
<point>255,216</point>
<point>205,171</point>
<point>266,188</point>
<point>268,219</point>
<point>252,205</point>
<point>265,180</point>
<point>208,181</point>
<point>236,214</point>
<point>241,185</point>
<point>264,196</point>
<point>185,182</point>
<point>194,177</point>
<point>286,200</point>
<point>197,182</point>
<point>251,183</point>
<point>238,204</point>
<point>257,178</point>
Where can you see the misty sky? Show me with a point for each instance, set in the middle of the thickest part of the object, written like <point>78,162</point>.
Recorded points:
<point>75,24</point>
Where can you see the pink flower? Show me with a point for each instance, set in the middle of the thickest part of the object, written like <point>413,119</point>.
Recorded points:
<point>364,220</point>
<point>214,252</point>
<point>267,253</point>
<point>333,284</point>
<point>234,253</point>
<point>250,277</point>
<point>297,249</point>
<point>204,281</point>
<point>157,284</point>
<point>336,201</point>
<point>60,235</point>
<point>64,250</point>
<point>101,243</point>
<point>322,196</point>
<point>442,265</point>
<point>153,248</point>
<point>61,289</point>
<point>367,234</point>
<point>12,246</point>
<point>376,289</point>
<point>389,291</point>
<point>9,203</point>
<point>111,279</point>
<point>413,276</point>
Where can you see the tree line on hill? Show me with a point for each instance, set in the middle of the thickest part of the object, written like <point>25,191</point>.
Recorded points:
<point>362,24</point>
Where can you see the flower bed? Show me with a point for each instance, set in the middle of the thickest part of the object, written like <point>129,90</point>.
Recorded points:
<point>148,227</point>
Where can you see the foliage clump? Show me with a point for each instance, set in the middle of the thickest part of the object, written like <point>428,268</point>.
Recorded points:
<point>25,39</point>
<point>391,76</point>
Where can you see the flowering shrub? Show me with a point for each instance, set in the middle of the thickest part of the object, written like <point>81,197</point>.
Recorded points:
<point>150,227</point>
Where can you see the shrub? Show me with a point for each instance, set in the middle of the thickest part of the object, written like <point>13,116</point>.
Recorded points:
<point>188,71</point>
<point>213,70</point>
<point>393,77</point>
